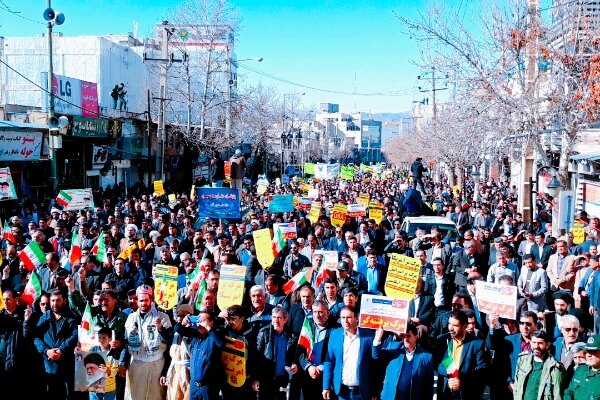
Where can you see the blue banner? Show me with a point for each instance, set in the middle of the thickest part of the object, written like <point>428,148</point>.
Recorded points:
<point>282,203</point>
<point>218,203</point>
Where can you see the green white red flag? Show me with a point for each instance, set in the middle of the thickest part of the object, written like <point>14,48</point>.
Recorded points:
<point>306,338</point>
<point>75,253</point>
<point>99,250</point>
<point>298,280</point>
<point>33,289</point>
<point>449,364</point>
<point>278,242</point>
<point>63,198</point>
<point>87,322</point>
<point>200,296</point>
<point>7,233</point>
<point>32,256</point>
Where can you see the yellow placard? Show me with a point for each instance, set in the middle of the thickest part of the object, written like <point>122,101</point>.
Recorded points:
<point>264,247</point>
<point>364,199</point>
<point>159,189</point>
<point>141,244</point>
<point>165,288</point>
<point>403,274</point>
<point>231,286</point>
<point>578,235</point>
<point>172,200</point>
<point>376,214</point>
<point>315,212</point>
<point>338,215</point>
<point>234,355</point>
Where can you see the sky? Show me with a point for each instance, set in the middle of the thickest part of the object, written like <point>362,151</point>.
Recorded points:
<point>325,46</point>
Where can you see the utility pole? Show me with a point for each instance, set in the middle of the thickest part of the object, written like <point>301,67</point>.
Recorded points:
<point>51,115</point>
<point>149,116</point>
<point>165,61</point>
<point>228,94</point>
<point>433,91</point>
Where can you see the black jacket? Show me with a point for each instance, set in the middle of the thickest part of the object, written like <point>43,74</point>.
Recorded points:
<point>265,358</point>
<point>417,169</point>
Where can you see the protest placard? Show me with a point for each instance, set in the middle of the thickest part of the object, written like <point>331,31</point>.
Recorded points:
<point>309,168</point>
<point>313,193</point>
<point>7,187</point>
<point>304,203</point>
<point>382,311</point>
<point>159,189</point>
<point>141,244</point>
<point>330,258</point>
<point>403,274</point>
<point>92,369</point>
<point>376,211</point>
<point>347,172</point>
<point>233,355</point>
<point>315,212</point>
<point>165,289</point>
<point>75,199</point>
<point>218,203</point>
<point>264,247</point>
<point>364,199</point>
<point>288,230</point>
<point>356,210</point>
<point>495,298</point>
<point>172,200</point>
<point>281,203</point>
<point>338,215</point>
<point>231,285</point>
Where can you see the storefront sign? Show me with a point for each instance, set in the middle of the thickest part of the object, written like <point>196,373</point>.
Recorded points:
<point>89,127</point>
<point>20,146</point>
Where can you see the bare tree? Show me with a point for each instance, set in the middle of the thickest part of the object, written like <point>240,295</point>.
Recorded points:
<point>201,36</point>
<point>535,76</point>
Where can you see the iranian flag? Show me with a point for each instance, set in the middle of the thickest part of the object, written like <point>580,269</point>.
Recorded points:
<point>201,291</point>
<point>321,275</point>
<point>87,323</point>
<point>278,242</point>
<point>99,250</point>
<point>63,198</point>
<point>7,233</point>
<point>32,256</point>
<point>75,253</point>
<point>33,289</point>
<point>306,338</point>
<point>198,274</point>
<point>298,280</point>
<point>449,364</point>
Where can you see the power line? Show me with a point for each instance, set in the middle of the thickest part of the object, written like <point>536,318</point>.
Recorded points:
<point>6,8</point>
<point>58,97</point>
<point>561,5</point>
<point>398,93</point>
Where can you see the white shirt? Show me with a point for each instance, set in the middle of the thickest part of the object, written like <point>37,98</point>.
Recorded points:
<point>438,296</point>
<point>410,355</point>
<point>350,359</point>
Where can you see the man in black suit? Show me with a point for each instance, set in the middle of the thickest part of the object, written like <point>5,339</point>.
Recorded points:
<point>541,251</point>
<point>464,262</point>
<point>303,310</point>
<point>421,310</point>
<point>460,372</point>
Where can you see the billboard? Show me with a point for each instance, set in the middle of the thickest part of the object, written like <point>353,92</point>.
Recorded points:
<point>72,96</point>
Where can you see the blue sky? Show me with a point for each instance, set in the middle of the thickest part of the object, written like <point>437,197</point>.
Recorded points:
<point>318,43</point>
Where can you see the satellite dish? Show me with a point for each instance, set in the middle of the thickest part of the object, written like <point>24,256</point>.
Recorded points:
<point>63,121</point>
<point>49,14</point>
<point>59,19</point>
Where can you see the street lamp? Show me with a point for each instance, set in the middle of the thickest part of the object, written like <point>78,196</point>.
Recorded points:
<point>554,187</point>
<point>475,175</point>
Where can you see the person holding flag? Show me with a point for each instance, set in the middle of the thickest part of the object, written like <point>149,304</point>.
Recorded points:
<point>314,339</point>
<point>459,357</point>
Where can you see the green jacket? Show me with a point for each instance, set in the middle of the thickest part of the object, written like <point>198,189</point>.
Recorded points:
<point>585,384</point>
<point>551,383</point>
<point>116,321</point>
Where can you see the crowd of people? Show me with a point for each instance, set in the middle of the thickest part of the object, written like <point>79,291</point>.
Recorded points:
<point>259,348</point>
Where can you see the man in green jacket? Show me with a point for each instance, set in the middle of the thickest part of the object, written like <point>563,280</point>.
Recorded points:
<point>539,376</point>
<point>585,384</point>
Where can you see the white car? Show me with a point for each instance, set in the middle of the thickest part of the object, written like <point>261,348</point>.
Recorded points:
<point>443,224</point>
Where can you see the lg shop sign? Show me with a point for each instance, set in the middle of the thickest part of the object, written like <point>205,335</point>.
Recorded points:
<point>74,96</point>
